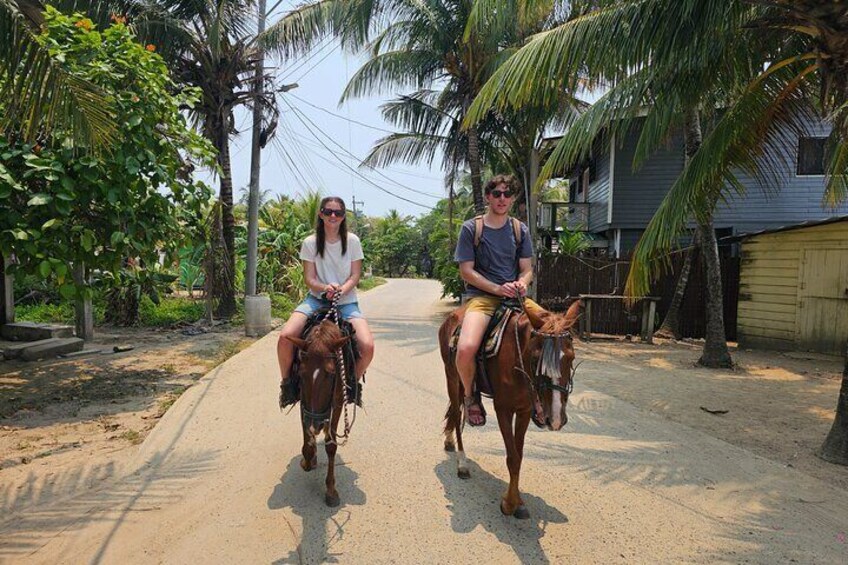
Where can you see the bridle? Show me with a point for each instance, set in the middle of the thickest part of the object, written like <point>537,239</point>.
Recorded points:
<point>548,370</point>
<point>318,419</point>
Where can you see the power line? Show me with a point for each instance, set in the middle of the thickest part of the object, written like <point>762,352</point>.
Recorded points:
<point>342,117</point>
<point>354,171</point>
<point>334,142</point>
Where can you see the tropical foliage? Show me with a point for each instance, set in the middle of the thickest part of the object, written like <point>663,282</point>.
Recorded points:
<point>64,207</point>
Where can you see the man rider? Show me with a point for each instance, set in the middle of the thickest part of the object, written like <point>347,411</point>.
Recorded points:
<point>495,264</point>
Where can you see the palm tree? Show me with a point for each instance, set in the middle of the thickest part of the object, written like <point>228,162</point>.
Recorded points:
<point>680,73</point>
<point>39,95</point>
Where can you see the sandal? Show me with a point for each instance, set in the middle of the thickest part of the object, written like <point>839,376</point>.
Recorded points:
<point>475,414</point>
<point>289,392</point>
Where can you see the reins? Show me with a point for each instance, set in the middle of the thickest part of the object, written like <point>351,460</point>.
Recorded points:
<point>342,370</point>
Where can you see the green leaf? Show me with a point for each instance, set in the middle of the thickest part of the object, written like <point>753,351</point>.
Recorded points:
<point>39,200</point>
<point>117,237</point>
<point>87,241</point>
<point>44,269</point>
<point>49,223</point>
<point>134,120</point>
<point>68,183</point>
<point>68,291</point>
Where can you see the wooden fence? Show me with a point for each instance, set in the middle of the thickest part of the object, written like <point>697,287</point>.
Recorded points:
<point>562,278</point>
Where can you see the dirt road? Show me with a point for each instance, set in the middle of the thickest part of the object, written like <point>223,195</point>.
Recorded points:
<point>218,480</point>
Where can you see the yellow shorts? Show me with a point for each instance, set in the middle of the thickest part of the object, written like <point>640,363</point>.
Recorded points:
<point>488,304</point>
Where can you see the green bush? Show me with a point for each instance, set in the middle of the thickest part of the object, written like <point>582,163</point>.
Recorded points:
<point>282,305</point>
<point>58,313</point>
<point>169,311</point>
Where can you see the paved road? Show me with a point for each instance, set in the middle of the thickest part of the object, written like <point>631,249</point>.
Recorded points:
<point>218,480</point>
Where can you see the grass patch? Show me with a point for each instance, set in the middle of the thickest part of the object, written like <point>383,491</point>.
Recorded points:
<point>54,313</point>
<point>370,282</point>
<point>227,350</point>
<point>169,399</point>
<point>169,311</point>
<point>132,436</point>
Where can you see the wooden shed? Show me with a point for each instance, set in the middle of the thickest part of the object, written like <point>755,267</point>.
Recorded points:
<point>793,291</point>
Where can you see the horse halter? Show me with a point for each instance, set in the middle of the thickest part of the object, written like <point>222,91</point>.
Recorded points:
<point>549,367</point>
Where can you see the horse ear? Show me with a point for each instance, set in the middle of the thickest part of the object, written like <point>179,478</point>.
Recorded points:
<point>536,320</point>
<point>573,312</point>
<point>340,342</point>
<point>299,343</point>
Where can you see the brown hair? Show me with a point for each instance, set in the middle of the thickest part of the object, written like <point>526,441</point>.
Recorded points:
<point>320,236</point>
<point>509,180</point>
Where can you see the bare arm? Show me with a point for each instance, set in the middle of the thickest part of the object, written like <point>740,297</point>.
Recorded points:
<point>475,279</point>
<point>310,276</point>
<point>353,279</point>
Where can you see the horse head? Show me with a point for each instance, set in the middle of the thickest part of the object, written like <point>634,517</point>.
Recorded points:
<point>551,351</point>
<point>318,371</point>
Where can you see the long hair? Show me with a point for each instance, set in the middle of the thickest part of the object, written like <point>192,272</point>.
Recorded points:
<point>320,236</point>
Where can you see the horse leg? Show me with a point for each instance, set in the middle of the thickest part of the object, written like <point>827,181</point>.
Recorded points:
<point>522,420</point>
<point>310,458</point>
<point>455,422</point>
<point>511,501</point>
<point>453,414</point>
<point>332,496</point>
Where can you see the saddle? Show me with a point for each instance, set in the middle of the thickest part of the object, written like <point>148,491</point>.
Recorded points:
<point>491,345</point>
<point>350,354</point>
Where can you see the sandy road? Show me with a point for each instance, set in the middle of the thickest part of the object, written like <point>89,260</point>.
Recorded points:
<point>218,480</point>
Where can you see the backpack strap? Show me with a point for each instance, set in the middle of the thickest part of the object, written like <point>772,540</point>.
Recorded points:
<point>478,230</point>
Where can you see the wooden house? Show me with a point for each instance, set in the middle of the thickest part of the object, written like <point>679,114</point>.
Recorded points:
<point>793,291</point>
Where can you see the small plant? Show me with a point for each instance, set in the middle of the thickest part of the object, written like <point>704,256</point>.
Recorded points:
<point>132,436</point>
<point>169,311</point>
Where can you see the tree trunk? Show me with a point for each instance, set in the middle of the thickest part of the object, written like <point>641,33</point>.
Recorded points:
<point>227,303</point>
<point>670,326</point>
<point>715,354</point>
<point>474,165</point>
<point>532,211</point>
<point>835,447</point>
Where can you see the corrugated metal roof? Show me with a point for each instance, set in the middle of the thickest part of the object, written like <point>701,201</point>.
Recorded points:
<point>805,224</point>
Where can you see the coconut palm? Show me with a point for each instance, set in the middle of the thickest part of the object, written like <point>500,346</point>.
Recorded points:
<point>39,94</point>
<point>679,74</point>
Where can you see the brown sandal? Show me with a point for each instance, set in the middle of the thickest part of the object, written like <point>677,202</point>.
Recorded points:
<point>475,414</point>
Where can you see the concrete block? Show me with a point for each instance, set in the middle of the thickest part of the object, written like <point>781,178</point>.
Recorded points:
<point>14,350</point>
<point>30,331</point>
<point>47,350</point>
<point>257,315</point>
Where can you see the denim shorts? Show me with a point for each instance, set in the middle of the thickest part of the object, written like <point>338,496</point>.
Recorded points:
<point>312,305</point>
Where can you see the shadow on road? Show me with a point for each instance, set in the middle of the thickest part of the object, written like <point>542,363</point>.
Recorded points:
<point>321,526</point>
<point>475,502</point>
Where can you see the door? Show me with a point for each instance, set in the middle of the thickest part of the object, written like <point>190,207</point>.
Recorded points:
<point>822,319</point>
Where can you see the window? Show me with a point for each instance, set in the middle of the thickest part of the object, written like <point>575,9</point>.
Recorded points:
<point>811,155</point>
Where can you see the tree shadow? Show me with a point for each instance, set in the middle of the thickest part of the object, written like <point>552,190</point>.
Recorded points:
<point>467,511</point>
<point>303,494</point>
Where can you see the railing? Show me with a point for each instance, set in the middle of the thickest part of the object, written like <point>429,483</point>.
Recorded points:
<point>571,216</point>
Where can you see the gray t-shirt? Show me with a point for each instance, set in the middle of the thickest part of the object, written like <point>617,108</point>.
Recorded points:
<point>496,256</point>
<point>333,267</point>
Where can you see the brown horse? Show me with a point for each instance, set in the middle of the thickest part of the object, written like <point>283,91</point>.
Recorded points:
<point>532,372</point>
<point>322,396</point>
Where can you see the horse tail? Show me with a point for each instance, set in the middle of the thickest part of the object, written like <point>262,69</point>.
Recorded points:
<point>452,418</point>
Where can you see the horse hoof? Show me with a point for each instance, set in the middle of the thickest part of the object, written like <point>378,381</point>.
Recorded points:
<point>521,513</point>
<point>449,447</point>
<point>463,473</point>
<point>308,466</point>
<point>332,500</point>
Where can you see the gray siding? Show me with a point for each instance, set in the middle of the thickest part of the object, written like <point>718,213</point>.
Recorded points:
<point>637,194</point>
<point>788,199</point>
<point>599,188</point>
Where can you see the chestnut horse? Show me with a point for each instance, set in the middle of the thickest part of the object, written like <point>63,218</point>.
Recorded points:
<point>532,372</point>
<point>322,377</point>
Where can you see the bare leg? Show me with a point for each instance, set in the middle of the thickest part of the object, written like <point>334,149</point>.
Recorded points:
<point>285,349</point>
<point>473,327</point>
<point>365,344</point>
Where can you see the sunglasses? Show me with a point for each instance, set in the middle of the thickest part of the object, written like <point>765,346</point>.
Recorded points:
<point>328,212</point>
<point>499,193</point>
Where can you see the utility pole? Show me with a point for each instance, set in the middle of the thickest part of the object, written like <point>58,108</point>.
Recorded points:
<point>355,217</point>
<point>255,162</point>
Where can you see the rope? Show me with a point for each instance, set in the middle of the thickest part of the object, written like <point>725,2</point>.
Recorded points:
<point>340,361</point>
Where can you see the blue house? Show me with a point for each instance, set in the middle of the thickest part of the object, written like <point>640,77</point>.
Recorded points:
<point>613,204</point>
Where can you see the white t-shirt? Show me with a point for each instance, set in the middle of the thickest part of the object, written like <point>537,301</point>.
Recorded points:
<point>333,267</point>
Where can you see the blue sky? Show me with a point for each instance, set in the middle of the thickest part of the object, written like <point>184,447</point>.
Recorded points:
<point>298,159</point>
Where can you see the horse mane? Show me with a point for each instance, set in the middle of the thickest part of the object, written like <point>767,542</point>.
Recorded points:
<point>557,323</point>
<point>322,337</point>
